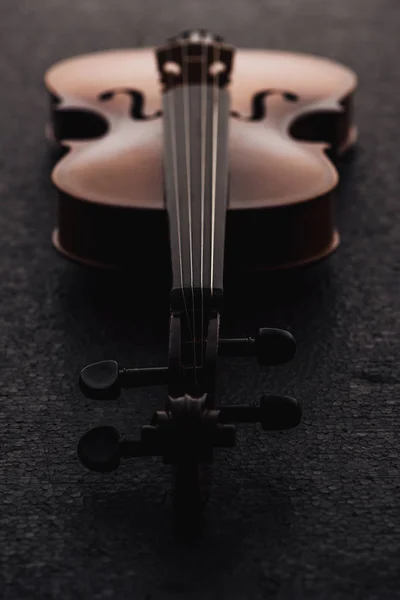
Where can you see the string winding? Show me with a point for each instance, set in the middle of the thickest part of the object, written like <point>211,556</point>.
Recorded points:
<point>179,194</point>
<point>203,122</point>
<point>173,136</point>
<point>186,120</point>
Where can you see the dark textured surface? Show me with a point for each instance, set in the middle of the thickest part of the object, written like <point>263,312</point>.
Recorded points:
<point>307,514</point>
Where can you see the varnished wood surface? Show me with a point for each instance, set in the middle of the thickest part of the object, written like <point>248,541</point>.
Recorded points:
<point>277,164</point>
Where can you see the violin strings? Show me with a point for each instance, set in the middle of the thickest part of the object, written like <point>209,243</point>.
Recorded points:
<point>176,185</point>
<point>203,120</point>
<point>186,120</point>
<point>214,159</point>
<point>214,170</point>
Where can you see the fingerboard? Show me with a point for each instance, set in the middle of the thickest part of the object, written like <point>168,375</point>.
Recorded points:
<point>196,121</point>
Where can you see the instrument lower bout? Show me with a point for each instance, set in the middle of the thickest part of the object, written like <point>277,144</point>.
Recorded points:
<point>255,240</point>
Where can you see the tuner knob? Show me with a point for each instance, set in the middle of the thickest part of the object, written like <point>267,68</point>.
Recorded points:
<point>100,381</point>
<point>279,412</point>
<point>274,346</point>
<point>99,449</point>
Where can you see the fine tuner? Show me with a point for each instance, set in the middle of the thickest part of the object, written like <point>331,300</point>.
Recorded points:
<point>210,161</point>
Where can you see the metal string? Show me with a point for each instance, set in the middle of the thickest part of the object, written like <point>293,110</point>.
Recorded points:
<point>173,136</point>
<point>203,121</point>
<point>186,119</point>
<point>214,172</point>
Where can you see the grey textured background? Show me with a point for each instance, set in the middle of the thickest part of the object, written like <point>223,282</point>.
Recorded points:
<point>308,514</point>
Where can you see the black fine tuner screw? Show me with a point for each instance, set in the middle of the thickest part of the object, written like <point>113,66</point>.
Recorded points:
<point>274,346</point>
<point>104,380</point>
<point>270,346</point>
<point>273,413</point>
<point>279,412</point>
<point>99,449</point>
<point>100,381</point>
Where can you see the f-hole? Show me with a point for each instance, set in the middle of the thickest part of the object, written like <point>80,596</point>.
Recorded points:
<point>137,103</point>
<point>259,105</point>
<point>324,126</point>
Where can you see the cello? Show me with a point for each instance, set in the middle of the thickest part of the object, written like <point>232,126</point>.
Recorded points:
<point>226,158</point>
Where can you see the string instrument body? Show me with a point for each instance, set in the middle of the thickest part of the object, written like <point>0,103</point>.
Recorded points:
<point>202,160</point>
<point>291,118</point>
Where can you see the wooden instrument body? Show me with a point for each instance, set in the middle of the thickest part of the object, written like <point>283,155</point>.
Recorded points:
<point>281,173</point>
<point>199,160</point>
